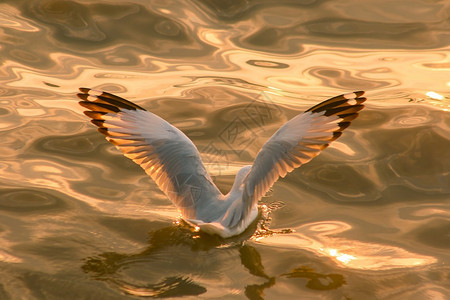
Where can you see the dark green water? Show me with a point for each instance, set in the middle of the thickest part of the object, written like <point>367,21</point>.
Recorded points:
<point>367,219</point>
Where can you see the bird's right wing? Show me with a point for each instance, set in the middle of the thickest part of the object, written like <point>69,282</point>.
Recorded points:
<point>162,150</point>
<point>298,141</point>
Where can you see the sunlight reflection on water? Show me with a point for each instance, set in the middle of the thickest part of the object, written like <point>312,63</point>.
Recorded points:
<point>348,253</point>
<point>371,209</point>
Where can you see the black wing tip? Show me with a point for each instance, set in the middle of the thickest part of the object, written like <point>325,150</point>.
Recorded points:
<point>343,125</point>
<point>100,106</point>
<point>94,114</point>
<point>345,107</point>
<point>340,104</point>
<point>336,135</point>
<point>98,122</point>
<point>84,103</point>
<point>103,131</point>
<point>83,96</point>
<point>107,98</point>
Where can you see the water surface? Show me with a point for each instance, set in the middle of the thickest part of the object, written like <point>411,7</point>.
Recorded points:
<point>367,219</point>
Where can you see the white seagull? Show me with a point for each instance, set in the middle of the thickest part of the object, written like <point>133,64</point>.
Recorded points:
<point>170,158</point>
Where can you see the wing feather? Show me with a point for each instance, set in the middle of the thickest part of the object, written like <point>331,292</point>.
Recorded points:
<point>298,141</point>
<point>164,152</point>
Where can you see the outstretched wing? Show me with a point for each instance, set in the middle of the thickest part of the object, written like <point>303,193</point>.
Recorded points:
<point>298,141</point>
<point>162,150</point>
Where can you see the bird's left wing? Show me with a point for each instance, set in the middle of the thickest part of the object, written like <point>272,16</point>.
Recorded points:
<point>166,154</point>
<point>298,141</point>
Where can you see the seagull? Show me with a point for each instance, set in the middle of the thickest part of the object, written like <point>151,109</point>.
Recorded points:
<point>170,158</point>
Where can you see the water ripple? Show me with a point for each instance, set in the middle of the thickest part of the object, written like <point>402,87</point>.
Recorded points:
<point>26,201</point>
<point>320,238</point>
<point>372,209</point>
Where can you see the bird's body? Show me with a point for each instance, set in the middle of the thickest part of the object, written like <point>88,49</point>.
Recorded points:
<point>170,158</point>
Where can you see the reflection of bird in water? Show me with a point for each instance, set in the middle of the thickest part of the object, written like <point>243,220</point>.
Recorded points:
<point>173,162</point>
<point>151,272</point>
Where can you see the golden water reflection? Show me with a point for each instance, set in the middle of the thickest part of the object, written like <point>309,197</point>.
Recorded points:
<point>321,239</point>
<point>139,274</point>
<point>284,84</point>
<point>67,197</point>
